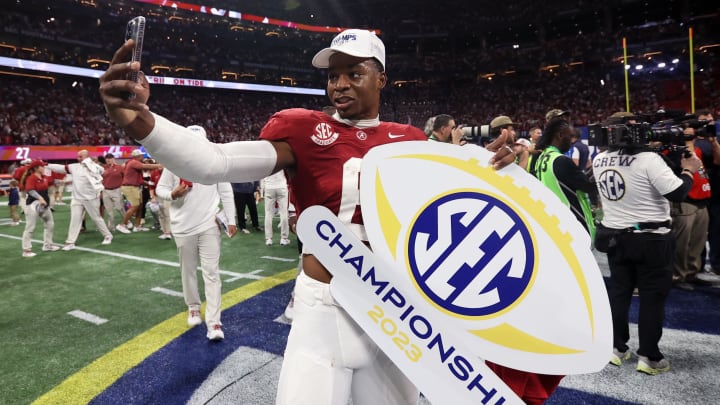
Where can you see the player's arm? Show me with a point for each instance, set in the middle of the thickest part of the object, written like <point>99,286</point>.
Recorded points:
<point>176,147</point>
<point>165,185</point>
<point>56,168</point>
<point>569,173</point>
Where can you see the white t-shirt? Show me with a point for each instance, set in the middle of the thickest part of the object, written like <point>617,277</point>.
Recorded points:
<point>632,187</point>
<point>195,212</point>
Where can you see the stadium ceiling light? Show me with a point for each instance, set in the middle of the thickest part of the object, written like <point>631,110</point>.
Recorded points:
<point>661,65</point>
<point>676,61</point>
<point>638,67</point>
<point>627,67</point>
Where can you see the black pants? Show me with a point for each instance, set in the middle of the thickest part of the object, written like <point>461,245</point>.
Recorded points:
<point>645,261</point>
<point>241,201</point>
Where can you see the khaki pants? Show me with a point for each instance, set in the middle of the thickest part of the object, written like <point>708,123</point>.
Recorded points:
<point>31,217</point>
<point>92,207</point>
<point>113,201</point>
<point>204,248</point>
<point>690,225</point>
<point>279,195</point>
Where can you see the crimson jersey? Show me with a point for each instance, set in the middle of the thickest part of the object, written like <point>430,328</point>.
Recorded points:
<point>328,155</point>
<point>41,185</point>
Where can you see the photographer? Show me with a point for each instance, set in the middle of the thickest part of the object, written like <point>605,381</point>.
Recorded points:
<point>445,130</point>
<point>690,221</point>
<point>706,140</point>
<point>635,185</point>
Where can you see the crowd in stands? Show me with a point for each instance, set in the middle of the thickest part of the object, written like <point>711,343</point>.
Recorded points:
<point>185,44</point>
<point>429,76</point>
<point>71,115</point>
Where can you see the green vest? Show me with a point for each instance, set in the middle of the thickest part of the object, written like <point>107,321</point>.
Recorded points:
<point>546,175</point>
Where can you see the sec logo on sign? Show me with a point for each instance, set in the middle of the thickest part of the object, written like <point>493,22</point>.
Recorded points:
<point>495,252</point>
<point>468,252</point>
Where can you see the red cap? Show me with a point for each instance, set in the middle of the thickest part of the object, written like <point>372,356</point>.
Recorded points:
<point>36,163</point>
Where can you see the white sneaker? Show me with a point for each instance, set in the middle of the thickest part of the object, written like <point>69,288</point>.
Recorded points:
<point>268,242</point>
<point>140,229</point>
<point>27,253</point>
<point>107,240</point>
<point>68,247</point>
<point>50,248</point>
<point>122,229</point>
<point>215,333</point>
<point>194,317</point>
<point>284,242</point>
<point>165,236</point>
<point>244,231</point>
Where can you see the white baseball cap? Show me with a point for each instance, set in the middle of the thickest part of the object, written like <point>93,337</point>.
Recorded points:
<point>136,152</point>
<point>198,130</point>
<point>353,42</point>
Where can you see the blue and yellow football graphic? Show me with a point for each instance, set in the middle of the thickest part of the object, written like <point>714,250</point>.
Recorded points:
<point>496,252</point>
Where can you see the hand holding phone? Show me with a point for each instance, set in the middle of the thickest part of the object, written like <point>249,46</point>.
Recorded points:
<point>135,31</point>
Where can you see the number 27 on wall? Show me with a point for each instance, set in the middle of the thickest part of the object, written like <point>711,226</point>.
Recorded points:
<point>22,153</point>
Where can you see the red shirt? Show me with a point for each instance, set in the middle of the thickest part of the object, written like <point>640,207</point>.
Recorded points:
<point>328,155</point>
<point>113,176</point>
<point>17,174</point>
<point>154,178</point>
<point>33,182</point>
<point>700,189</point>
<point>133,173</point>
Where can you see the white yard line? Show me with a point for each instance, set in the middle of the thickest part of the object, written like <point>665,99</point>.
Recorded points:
<point>167,291</point>
<point>238,276</point>
<point>87,317</point>
<point>234,276</point>
<point>280,259</point>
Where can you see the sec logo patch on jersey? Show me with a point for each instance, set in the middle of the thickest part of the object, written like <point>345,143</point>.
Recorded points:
<point>494,251</point>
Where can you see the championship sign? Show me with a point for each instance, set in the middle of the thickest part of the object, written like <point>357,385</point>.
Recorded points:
<point>468,263</point>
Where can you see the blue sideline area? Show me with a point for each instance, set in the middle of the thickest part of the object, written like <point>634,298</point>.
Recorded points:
<point>174,373</point>
<point>249,323</point>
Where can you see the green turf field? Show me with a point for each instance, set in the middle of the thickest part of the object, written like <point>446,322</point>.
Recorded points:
<point>42,345</point>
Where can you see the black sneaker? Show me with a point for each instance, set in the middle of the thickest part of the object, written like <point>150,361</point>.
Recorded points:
<point>257,228</point>
<point>700,282</point>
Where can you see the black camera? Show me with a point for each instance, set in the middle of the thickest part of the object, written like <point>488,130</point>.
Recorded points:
<point>473,133</point>
<point>641,134</point>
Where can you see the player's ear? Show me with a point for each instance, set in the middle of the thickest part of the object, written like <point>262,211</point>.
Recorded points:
<point>382,80</point>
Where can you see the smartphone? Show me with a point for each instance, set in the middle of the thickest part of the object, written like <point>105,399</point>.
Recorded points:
<point>135,31</point>
<point>186,183</point>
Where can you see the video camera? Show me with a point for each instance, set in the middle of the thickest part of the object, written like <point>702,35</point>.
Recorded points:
<point>666,127</point>
<point>635,135</point>
<point>473,133</point>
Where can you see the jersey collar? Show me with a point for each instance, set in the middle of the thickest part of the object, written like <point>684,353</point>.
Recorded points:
<point>374,122</point>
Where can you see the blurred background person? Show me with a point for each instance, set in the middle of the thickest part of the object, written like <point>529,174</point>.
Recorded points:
<point>244,195</point>
<point>634,193</point>
<point>37,206</point>
<point>17,174</point>
<point>445,130</point>
<point>193,212</point>
<point>112,196</point>
<point>14,202</point>
<point>275,190</point>
<point>132,190</point>
<point>87,186</point>
<point>562,176</point>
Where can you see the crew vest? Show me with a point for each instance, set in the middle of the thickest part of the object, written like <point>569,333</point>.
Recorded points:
<point>546,175</point>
